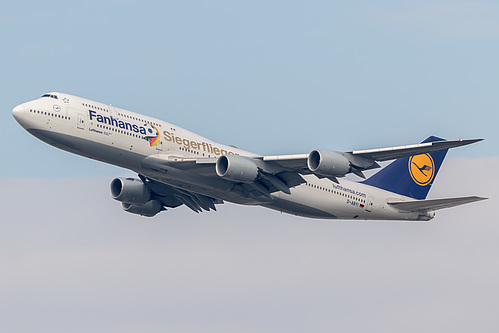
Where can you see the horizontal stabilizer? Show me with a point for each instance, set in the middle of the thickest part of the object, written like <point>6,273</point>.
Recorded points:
<point>432,204</point>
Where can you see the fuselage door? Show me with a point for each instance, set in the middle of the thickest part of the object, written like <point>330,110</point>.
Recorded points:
<point>81,121</point>
<point>113,112</point>
<point>370,203</point>
<point>159,146</point>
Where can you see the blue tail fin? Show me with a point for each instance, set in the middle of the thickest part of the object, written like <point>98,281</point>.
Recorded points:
<point>410,176</point>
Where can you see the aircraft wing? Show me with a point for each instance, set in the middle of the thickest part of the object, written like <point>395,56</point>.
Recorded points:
<point>282,172</point>
<point>360,159</point>
<point>432,204</point>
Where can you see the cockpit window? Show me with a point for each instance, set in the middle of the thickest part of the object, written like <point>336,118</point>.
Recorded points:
<point>50,96</point>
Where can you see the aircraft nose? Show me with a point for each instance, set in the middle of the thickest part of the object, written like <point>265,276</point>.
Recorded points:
<point>18,112</point>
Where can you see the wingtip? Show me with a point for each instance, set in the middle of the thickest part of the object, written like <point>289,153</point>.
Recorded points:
<point>471,140</point>
<point>465,142</point>
<point>476,198</point>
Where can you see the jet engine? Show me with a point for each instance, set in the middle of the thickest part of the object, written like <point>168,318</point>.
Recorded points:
<point>149,209</point>
<point>236,168</point>
<point>328,163</point>
<point>135,197</point>
<point>130,190</point>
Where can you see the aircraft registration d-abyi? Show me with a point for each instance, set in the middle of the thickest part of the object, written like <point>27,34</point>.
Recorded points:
<point>176,167</point>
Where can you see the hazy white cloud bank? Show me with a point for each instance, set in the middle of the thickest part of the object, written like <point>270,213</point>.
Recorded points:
<point>456,19</point>
<point>71,260</point>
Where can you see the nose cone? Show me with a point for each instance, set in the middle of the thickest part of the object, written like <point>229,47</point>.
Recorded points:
<point>18,113</point>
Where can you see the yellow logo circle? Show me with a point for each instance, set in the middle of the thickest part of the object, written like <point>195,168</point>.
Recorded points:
<point>422,169</point>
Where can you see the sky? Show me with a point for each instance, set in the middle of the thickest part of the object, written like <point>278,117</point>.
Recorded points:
<point>271,77</point>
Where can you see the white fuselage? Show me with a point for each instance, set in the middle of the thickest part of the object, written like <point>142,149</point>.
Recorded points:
<point>121,137</point>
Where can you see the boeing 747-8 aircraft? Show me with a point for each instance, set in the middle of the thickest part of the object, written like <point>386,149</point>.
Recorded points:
<point>176,167</point>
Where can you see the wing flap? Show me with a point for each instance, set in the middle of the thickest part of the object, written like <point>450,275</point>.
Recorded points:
<point>204,167</point>
<point>433,204</point>
<point>171,196</point>
<point>296,162</point>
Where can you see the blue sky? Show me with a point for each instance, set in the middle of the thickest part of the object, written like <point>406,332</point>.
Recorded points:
<point>274,78</point>
<point>270,77</point>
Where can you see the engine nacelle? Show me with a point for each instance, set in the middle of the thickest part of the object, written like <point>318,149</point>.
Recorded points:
<point>149,209</point>
<point>328,163</point>
<point>236,168</point>
<point>130,190</point>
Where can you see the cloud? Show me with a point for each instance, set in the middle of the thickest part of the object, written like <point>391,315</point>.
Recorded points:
<point>455,19</point>
<point>73,261</point>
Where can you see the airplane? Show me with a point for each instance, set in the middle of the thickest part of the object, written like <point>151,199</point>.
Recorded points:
<point>177,167</point>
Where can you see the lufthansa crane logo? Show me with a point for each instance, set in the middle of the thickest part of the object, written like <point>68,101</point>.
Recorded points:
<point>422,169</point>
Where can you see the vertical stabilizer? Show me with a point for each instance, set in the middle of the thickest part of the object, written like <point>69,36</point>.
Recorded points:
<point>410,176</point>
